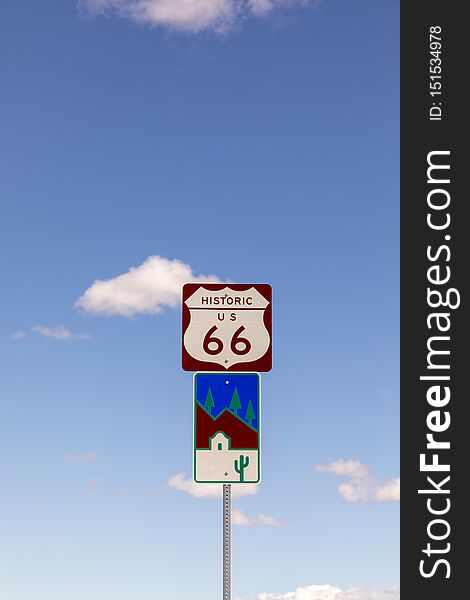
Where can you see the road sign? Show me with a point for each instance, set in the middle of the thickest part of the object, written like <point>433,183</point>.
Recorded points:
<point>226,428</point>
<point>227,327</point>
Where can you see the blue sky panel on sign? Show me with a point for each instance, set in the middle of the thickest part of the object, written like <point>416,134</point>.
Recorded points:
<point>223,385</point>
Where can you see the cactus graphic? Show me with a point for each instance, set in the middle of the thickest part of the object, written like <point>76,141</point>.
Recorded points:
<point>240,468</point>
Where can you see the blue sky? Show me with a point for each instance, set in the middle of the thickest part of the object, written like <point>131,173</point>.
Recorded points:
<point>257,144</point>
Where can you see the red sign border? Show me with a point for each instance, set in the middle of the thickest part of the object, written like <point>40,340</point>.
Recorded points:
<point>262,364</point>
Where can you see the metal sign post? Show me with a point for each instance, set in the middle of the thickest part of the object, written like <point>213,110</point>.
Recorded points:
<point>227,541</point>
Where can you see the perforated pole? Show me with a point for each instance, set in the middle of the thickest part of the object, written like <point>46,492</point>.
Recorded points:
<point>227,542</point>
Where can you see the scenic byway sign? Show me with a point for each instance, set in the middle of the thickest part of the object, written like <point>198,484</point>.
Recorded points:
<point>226,428</point>
<point>227,327</point>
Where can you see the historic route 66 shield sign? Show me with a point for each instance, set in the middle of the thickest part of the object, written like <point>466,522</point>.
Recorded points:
<point>227,327</point>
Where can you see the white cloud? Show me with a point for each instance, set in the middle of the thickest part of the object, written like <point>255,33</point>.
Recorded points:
<point>355,490</point>
<point>361,485</point>
<point>181,482</point>
<point>240,518</point>
<point>330,592</point>
<point>18,335</point>
<point>190,15</point>
<point>390,490</point>
<point>89,457</point>
<point>60,333</point>
<point>148,288</point>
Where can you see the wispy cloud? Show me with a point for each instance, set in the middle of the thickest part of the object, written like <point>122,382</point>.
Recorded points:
<point>351,468</point>
<point>260,7</point>
<point>60,333</point>
<point>182,482</point>
<point>361,485</point>
<point>88,457</point>
<point>330,592</point>
<point>148,288</point>
<point>18,335</point>
<point>93,484</point>
<point>240,518</point>
<point>191,15</point>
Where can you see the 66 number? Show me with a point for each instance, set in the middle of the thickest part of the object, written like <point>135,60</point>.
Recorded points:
<point>237,339</point>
